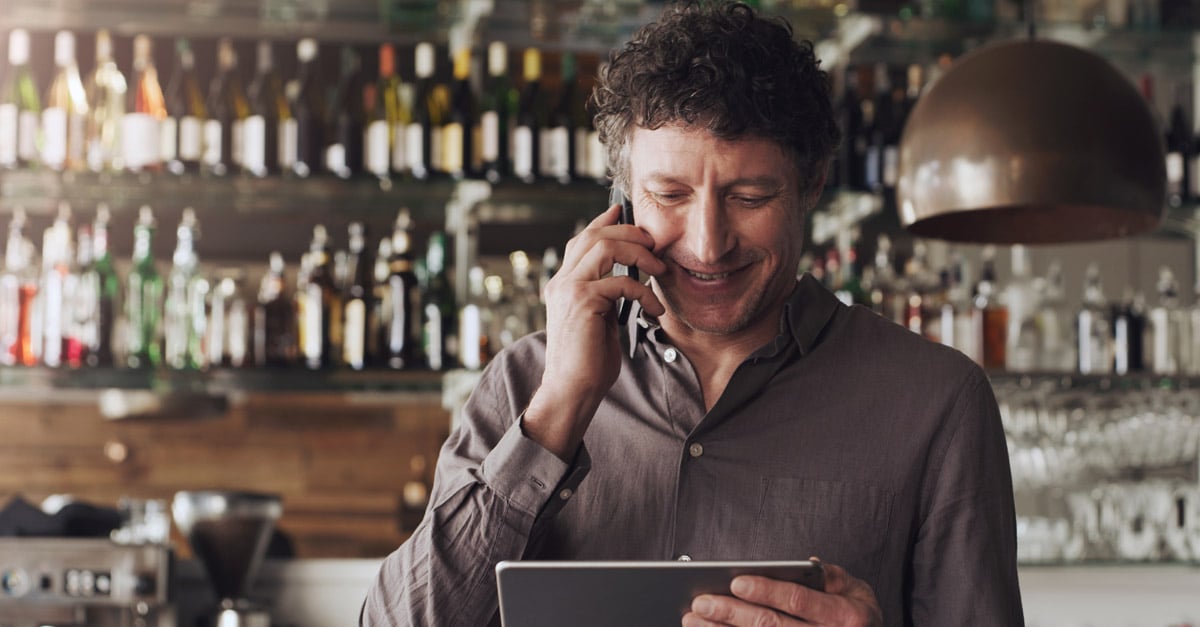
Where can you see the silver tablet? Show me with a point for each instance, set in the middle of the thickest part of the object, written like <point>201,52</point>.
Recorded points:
<point>620,594</point>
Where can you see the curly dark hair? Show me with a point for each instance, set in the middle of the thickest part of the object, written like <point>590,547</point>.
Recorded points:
<point>720,66</point>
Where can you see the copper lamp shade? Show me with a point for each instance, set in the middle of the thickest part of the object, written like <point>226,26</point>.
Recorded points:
<point>1031,142</point>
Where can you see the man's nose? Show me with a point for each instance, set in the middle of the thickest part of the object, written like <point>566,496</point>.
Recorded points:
<point>709,236</point>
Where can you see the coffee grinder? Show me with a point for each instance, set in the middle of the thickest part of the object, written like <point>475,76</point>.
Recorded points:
<point>229,533</point>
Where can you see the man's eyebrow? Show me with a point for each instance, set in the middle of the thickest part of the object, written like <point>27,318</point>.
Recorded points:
<point>751,181</point>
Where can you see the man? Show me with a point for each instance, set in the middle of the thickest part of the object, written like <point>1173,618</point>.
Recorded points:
<point>742,414</point>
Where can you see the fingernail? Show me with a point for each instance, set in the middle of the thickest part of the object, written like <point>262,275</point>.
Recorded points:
<point>740,586</point>
<point>702,606</point>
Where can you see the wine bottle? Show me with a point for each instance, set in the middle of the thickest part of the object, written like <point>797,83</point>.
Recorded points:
<point>274,319</point>
<point>183,130</point>
<point>499,102</point>
<point>140,127</point>
<point>261,138</point>
<point>1180,152</point>
<point>423,134</point>
<point>526,151</point>
<point>227,108</point>
<point>184,318</point>
<point>558,146</point>
<point>100,352</point>
<point>143,298</point>
<point>66,110</point>
<point>439,328</point>
<point>356,331</point>
<point>308,113</point>
<point>18,288</point>
<point>384,136</point>
<point>105,89</point>
<point>473,322</point>
<point>55,301</point>
<point>1093,328</point>
<point>20,106</point>
<point>344,154</point>
<point>458,133</point>
<point>321,304</point>
<point>401,320</point>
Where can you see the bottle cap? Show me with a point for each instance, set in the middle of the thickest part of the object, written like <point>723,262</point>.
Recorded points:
<point>306,49</point>
<point>18,47</point>
<point>497,58</point>
<point>533,64</point>
<point>424,60</point>
<point>104,49</point>
<point>142,48</point>
<point>266,58</point>
<point>64,48</point>
<point>226,56</point>
<point>387,60</point>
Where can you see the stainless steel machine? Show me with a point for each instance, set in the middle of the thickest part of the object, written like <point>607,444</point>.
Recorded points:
<point>78,582</point>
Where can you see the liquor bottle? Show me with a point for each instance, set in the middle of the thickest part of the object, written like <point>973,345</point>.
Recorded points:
<point>967,337</point>
<point>473,322</point>
<point>143,298</point>
<point>106,108</point>
<point>1092,326</point>
<point>991,317</point>
<point>439,328</point>
<point>523,302</point>
<point>1180,152</point>
<point>140,127</point>
<point>321,304</point>
<point>383,141</point>
<point>184,318</point>
<point>558,145</point>
<point>1021,299</point>
<point>498,102</point>
<point>346,123</point>
<point>381,302</point>
<point>526,136</point>
<point>1169,327</point>
<point>54,298</point>
<point>66,110</point>
<point>402,320</point>
<point>99,350</point>
<point>227,110</point>
<point>893,128</point>
<point>83,294</point>
<point>20,106</point>
<point>18,288</point>
<point>888,297</point>
<point>878,129</point>
<point>1191,363</point>
<point>458,133</point>
<point>423,133</point>
<point>356,300</point>
<point>274,319</point>
<point>1129,333</point>
<point>308,114</point>
<point>853,109</point>
<point>261,137</point>
<point>228,340</point>
<point>183,130</point>
<point>1054,320</point>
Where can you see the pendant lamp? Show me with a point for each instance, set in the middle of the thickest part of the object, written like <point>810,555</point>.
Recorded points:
<point>1031,142</point>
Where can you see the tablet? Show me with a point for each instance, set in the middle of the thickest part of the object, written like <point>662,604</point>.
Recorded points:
<point>620,594</point>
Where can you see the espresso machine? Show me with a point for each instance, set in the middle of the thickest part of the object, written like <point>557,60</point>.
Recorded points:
<point>77,582</point>
<point>229,533</point>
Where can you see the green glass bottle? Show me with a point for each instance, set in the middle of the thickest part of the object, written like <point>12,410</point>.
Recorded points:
<point>143,302</point>
<point>439,328</point>
<point>101,352</point>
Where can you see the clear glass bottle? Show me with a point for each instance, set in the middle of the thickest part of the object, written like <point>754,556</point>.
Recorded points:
<point>357,300</point>
<point>143,298</point>
<point>105,89</point>
<point>141,144</point>
<point>1056,325</point>
<point>403,319</point>
<point>322,305</point>
<point>63,120</point>
<point>20,106</point>
<point>227,110</point>
<point>473,322</point>
<point>1022,300</point>
<point>1093,328</point>
<point>54,298</point>
<point>274,318</point>
<point>1168,327</point>
<point>184,318</point>
<point>184,147</point>
<point>14,277</point>
<point>268,107</point>
<point>100,352</point>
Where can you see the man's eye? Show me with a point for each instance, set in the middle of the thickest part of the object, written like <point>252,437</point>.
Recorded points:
<point>751,201</point>
<point>667,197</point>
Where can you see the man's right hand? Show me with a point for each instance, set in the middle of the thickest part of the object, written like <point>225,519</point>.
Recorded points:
<point>583,353</point>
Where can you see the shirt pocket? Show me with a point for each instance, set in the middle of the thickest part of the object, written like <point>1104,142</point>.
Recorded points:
<point>842,523</point>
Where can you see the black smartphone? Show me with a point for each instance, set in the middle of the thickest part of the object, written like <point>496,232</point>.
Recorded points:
<point>620,269</point>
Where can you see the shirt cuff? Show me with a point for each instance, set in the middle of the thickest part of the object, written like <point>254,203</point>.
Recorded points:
<point>531,477</point>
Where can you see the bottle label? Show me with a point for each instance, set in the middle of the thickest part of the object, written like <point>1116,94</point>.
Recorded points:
<point>237,142</point>
<point>168,138</point>
<point>437,150</point>
<point>471,334</point>
<point>353,333</point>
<point>254,144</point>
<point>581,154</point>
<point>1174,168</point>
<point>452,148</point>
<point>597,157</point>
<point>139,140</point>
<point>191,139</point>
<point>288,143</point>
<point>398,326</point>
<point>335,159</point>
<point>313,329</point>
<point>76,135</point>
<point>522,151</point>
<point>54,137</point>
<point>556,152</point>
<point>377,152</point>
<point>27,149</point>
<point>8,135</point>
<point>891,165</point>
<point>414,143</point>
<point>433,337</point>
<point>871,167</point>
<point>489,124</point>
<point>400,148</point>
<point>212,142</point>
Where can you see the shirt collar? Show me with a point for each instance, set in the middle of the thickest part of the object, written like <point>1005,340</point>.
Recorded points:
<point>805,315</point>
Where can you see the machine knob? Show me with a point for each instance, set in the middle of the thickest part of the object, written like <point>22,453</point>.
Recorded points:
<point>14,582</point>
<point>145,586</point>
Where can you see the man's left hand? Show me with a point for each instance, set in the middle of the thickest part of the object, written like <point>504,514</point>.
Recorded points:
<point>760,601</point>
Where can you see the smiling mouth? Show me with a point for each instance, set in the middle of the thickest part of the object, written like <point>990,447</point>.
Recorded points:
<point>708,277</point>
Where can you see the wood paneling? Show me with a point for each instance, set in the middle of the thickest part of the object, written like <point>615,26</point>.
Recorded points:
<point>340,461</point>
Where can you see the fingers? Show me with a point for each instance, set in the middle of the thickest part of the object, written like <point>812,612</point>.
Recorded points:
<point>846,601</point>
<point>604,231</point>
<point>715,609</point>
<point>597,297</point>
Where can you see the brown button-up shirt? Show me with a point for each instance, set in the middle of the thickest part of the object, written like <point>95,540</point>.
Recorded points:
<point>847,437</point>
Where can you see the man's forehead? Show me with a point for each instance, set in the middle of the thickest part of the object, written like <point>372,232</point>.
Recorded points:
<point>690,148</point>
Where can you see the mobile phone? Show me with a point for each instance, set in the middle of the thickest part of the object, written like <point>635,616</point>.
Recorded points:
<point>626,217</point>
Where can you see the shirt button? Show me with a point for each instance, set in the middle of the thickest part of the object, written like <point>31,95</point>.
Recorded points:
<point>565,493</point>
<point>696,449</point>
<point>684,558</point>
<point>670,354</point>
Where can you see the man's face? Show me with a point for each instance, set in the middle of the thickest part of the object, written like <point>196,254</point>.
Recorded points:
<point>727,217</point>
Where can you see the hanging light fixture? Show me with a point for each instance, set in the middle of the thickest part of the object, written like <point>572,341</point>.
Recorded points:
<point>1032,142</point>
